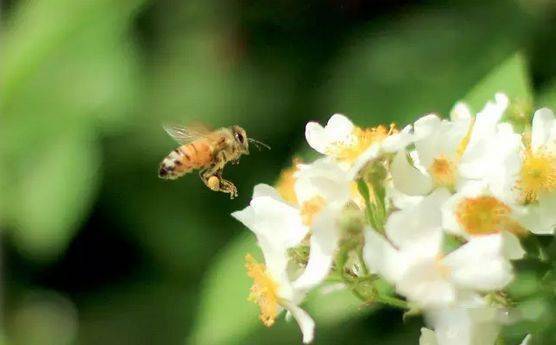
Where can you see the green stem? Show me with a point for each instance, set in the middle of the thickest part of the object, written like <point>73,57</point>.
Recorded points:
<point>392,301</point>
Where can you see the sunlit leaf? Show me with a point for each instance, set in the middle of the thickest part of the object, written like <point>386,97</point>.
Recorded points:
<point>224,312</point>
<point>510,77</point>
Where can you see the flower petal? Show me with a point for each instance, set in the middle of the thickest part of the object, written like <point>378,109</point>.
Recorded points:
<point>540,218</point>
<point>324,241</point>
<point>480,264</point>
<point>304,320</point>
<point>417,224</point>
<point>323,178</point>
<point>428,337</point>
<point>464,326</point>
<point>381,257</point>
<point>408,179</point>
<point>544,128</point>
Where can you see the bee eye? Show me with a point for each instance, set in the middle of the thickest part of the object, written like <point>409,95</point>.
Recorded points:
<point>239,137</point>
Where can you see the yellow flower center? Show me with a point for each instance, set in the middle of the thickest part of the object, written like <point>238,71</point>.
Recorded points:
<point>264,291</point>
<point>443,172</point>
<point>286,182</point>
<point>310,208</point>
<point>538,175</point>
<point>443,169</point>
<point>362,139</point>
<point>486,215</point>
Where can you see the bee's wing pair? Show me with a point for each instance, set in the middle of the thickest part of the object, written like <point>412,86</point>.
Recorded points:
<point>186,134</point>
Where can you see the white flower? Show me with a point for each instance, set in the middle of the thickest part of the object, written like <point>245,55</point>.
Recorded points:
<point>322,189</point>
<point>462,325</point>
<point>536,181</point>
<point>411,258</point>
<point>475,212</point>
<point>278,227</point>
<point>449,152</point>
<point>353,147</point>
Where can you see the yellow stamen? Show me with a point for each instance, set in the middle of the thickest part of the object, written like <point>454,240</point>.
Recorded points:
<point>310,208</point>
<point>286,182</point>
<point>362,139</point>
<point>465,140</point>
<point>486,215</point>
<point>443,169</point>
<point>264,291</point>
<point>443,172</point>
<point>538,175</point>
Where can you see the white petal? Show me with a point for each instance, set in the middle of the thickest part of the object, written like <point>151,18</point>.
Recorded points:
<point>338,127</point>
<point>449,220</point>
<point>480,264</point>
<point>304,320</point>
<point>323,178</point>
<point>543,124</point>
<point>460,112</point>
<point>398,141</point>
<point>512,248</point>
<point>428,337</point>
<point>425,284</point>
<point>400,200</point>
<point>324,242</point>
<point>408,179</point>
<point>262,189</point>
<point>419,222</point>
<point>540,218</point>
<point>381,257</point>
<point>277,226</point>
<point>426,125</point>
<point>464,326</point>
<point>316,137</point>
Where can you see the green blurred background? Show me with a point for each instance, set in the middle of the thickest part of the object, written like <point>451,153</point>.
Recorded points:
<point>97,250</point>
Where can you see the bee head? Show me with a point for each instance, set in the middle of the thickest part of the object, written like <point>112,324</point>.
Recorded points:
<point>240,137</point>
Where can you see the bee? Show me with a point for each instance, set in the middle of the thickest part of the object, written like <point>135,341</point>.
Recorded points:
<point>207,151</point>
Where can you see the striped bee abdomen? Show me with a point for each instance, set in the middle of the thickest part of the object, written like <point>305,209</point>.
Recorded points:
<point>184,159</point>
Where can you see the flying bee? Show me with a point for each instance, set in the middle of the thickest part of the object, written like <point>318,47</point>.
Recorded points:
<point>206,151</point>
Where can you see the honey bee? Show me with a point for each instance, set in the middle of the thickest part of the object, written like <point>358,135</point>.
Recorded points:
<point>207,151</point>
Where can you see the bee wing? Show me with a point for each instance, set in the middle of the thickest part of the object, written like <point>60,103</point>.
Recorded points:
<point>184,135</point>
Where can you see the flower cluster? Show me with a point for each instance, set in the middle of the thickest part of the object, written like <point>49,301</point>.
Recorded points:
<point>437,210</point>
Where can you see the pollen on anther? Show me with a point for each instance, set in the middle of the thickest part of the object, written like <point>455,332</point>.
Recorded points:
<point>484,215</point>
<point>264,291</point>
<point>443,172</point>
<point>311,208</point>
<point>286,182</point>
<point>361,139</point>
<point>537,175</point>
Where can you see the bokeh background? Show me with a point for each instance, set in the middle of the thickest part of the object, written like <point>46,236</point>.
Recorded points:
<point>97,250</point>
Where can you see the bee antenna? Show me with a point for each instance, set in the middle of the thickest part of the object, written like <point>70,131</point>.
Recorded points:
<point>258,144</point>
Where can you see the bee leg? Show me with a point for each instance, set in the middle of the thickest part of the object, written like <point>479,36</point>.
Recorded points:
<point>228,187</point>
<point>214,180</point>
<point>210,180</point>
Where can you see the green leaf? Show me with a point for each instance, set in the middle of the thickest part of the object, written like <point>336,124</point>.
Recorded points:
<point>55,192</point>
<point>510,77</point>
<point>224,312</point>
